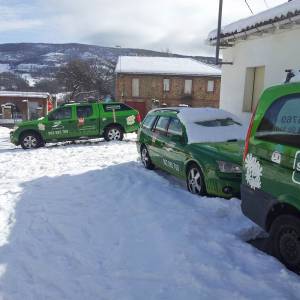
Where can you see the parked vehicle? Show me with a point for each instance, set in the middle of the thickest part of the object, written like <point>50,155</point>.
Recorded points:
<point>76,121</point>
<point>204,146</point>
<point>271,177</point>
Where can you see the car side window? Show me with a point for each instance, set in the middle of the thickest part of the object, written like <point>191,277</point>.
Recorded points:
<point>162,124</point>
<point>281,122</point>
<point>175,127</point>
<point>61,114</point>
<point>84,111</point>
<point>148,121</point>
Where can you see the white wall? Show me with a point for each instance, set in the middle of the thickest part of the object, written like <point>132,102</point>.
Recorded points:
<point>277,52</point>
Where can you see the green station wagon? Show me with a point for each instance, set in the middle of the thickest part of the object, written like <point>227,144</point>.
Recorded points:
<point>77,121</point>
<point>204,146</point>
<point>271,177</point>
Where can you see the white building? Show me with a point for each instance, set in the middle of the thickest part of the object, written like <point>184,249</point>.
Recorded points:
<point>260,48</point>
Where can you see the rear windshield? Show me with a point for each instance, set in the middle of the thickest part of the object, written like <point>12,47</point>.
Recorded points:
<point>281,123</point>
<point>218,123</point>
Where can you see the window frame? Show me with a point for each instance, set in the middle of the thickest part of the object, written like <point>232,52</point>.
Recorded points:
<point>213,86</point>
<point>137,94</point>
<point>85,105</point>
<point>155,129</point>
<point>185,92</point>
<point>57,110</point>
<point>168,85</point>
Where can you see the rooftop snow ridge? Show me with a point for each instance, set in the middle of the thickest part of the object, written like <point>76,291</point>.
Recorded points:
<point>285,11</point>
<point>24,94</point>
<point>165,66</point>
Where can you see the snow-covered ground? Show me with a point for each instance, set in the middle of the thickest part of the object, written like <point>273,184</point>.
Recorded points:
<point>87,221</point>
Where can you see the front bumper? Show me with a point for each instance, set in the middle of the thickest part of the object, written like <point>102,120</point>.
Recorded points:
<point>256,205</point>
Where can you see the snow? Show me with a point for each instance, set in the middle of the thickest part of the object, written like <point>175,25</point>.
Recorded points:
<point>274,14</point>
<point>31,81</point>
<point>23,94</point>
<point>200,134</point>
<point>164,65</point>
<point>87,221</point>
<point>4,68</point>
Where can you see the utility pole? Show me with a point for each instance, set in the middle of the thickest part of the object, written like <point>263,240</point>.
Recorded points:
<point>219,32</point>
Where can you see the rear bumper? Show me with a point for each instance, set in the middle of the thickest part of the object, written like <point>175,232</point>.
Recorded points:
<point>256,205</point>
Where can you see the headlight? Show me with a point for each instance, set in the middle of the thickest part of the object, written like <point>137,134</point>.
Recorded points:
<point>15,128</point>
<point>228,167</point>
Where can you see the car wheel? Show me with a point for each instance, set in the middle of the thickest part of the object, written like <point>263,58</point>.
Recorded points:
<point>113,133</point>
<point>285,241</point>
<point>31,140</point>
<point>194,180</point>
<point>145,158</point>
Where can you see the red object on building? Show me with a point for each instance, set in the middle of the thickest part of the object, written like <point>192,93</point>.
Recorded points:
<point>50,105</point>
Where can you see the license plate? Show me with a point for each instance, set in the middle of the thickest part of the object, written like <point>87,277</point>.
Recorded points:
<point>296,173</point>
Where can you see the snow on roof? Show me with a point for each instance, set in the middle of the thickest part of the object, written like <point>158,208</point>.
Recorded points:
<point>164,65</point>
<point>197,133</point>
<point>24,94</point>
<point>279,13</point>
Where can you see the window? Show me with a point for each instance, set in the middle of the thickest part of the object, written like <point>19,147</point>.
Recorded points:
<point>166,85</point>
<point>254,85</point>
<point>135,87</point>
<point>84,111</point>
<point>148,121</point>
<point>281,123</point>
<point>175,127</point>
<point>218,123</point>
<point>162,124</point>
<point>188,83</point>
<point>119,106</point>
<point>210,86</point>
<point>61,114</point>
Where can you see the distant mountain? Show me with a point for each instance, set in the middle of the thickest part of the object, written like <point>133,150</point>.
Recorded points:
<point>35,61</point>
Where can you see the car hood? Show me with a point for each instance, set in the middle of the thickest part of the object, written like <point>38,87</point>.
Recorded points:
<point>228,151</point>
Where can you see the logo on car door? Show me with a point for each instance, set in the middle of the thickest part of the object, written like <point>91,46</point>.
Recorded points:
<point>296,173</point>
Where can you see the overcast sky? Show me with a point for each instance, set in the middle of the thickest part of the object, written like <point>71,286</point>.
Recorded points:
<point>178,25</point>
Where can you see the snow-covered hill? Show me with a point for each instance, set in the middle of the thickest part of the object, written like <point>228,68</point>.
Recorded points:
<point>43,60</point>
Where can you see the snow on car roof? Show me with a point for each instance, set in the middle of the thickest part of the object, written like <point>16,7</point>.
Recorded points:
<point>165,65</point>
<point>197,133</point>
<point>285,11</point>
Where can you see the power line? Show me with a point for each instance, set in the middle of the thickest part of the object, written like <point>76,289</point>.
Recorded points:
<point>249,7</point>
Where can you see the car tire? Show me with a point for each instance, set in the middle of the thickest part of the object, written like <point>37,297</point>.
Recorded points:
<point>31,140</point>
<point>195,180</point>
<point>113,133</point>
<point>145,158</point>
<point>285,241</point>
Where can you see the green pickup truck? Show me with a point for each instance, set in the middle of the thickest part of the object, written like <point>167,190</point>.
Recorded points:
<point>77,121</point>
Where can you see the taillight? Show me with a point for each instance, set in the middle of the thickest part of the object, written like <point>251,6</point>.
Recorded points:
<point>139,118</point>
<point>248,136</point>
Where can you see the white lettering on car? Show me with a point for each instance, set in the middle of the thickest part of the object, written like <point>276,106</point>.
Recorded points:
<point>253,171</point>
<point>171,165</point>
<point>276,157</point>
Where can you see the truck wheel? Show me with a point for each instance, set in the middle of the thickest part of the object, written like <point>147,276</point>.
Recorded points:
<point>285,241</point>
<point>30,140</point>
<point>113,133</point>
<point>194,180</point>
<point>145,158</point>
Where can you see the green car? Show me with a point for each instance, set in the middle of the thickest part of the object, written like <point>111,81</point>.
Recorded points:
<point>77,121</point>
<point>203,146</point>
<point>271,175</point>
